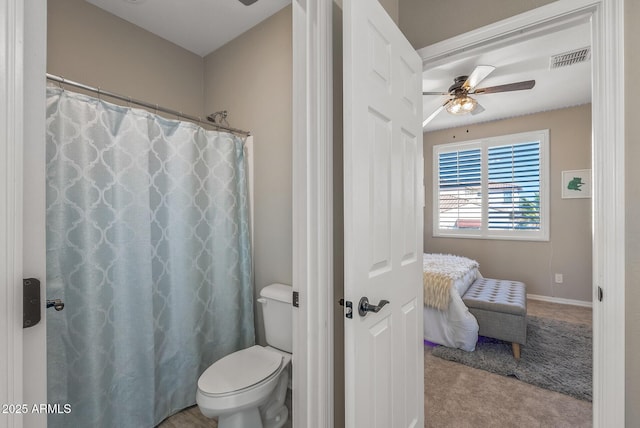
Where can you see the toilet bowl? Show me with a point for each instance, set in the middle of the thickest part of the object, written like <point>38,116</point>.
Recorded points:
<point>247,389</point>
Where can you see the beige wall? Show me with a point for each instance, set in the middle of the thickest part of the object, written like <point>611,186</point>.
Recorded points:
<point>632,204</point>
<point>91,46</point>
<point>425,22</point>
<point>251,78</point>
<point>569,249</point>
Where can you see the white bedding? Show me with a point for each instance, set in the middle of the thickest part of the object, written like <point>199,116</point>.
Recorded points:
<point>455,327</point>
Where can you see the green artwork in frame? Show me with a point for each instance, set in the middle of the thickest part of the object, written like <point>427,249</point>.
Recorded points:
<point>576,184</point>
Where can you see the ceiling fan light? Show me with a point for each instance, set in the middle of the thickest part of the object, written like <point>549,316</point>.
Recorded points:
<point>454,107</point>
<point>462,105</point>
<point>469,104</point>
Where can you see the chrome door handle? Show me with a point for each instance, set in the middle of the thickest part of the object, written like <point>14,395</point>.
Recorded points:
<point>57,304</point>
<point>364,306</point>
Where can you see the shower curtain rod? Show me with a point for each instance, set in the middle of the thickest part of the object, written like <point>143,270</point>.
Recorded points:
<point>155,107</point>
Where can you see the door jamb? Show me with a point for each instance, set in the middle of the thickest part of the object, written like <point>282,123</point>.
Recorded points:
<point>11,143</point>
<point>313,365</point>
<point>34,205</point>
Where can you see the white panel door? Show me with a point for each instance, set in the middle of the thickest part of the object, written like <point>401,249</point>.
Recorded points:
<point>383,176</point>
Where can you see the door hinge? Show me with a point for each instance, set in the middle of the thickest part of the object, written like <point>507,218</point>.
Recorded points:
<point>296,299</point>
<point>349,311</point>
<point>600,294</point>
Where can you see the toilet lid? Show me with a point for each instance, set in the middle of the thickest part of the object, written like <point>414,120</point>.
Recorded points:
<point>240,370</point>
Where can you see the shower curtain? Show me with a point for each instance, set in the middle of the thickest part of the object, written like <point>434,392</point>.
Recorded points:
<point>148,245</point>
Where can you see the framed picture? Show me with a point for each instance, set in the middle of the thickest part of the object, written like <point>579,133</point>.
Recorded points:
<point>576,184</point>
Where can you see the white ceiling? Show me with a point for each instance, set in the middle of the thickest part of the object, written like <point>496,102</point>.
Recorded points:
<point>200,26</point>
<point>524,60</point>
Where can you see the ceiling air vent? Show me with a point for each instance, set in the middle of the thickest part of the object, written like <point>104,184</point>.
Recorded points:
<point>570,58</point>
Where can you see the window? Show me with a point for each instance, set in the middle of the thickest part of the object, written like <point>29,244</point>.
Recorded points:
<point>495,188</point>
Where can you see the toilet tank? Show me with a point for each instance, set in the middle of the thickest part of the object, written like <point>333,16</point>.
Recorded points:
<point>276,314</point>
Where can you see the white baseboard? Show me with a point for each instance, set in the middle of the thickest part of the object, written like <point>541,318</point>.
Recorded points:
<point>560,300</point>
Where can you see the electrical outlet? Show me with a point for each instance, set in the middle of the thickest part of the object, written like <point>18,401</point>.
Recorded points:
<point>559,278</point>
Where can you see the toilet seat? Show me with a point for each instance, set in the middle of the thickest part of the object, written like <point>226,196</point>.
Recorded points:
<point>239,371</point>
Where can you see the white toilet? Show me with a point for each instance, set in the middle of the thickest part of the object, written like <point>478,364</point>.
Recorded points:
<point>247,389</point>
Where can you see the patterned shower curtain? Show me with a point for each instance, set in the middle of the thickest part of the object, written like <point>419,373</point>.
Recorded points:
<point>148,245</point>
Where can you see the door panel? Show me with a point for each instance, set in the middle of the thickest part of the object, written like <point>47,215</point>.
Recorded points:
<point>412,391</point>
<point>410,227</point>
<point>382,359</point>
<point>379,192</point>
<point>383,176</point>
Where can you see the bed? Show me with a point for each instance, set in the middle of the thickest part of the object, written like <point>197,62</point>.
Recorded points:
<point>447,321</point>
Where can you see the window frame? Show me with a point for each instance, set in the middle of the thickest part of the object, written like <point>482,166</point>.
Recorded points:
<point>484,144</point>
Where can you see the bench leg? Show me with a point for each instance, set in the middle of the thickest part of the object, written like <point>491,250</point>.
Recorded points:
<point>515,347</point>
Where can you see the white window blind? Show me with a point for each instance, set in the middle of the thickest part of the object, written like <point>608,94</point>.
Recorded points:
<point>460,192</point>
<point>492,188</point>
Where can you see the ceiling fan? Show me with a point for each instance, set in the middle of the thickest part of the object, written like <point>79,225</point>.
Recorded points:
<point>460,101</point>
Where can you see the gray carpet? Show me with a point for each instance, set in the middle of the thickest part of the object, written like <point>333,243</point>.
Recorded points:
<point>557,356</point>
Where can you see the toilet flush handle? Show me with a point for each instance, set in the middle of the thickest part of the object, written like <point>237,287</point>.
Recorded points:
<point>262,300</point>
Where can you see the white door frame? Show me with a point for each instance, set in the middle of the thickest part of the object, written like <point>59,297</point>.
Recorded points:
<point>22,219</point>
<point>11,143</point>
<point>34,204</point>
<point>608,202</point>
<point>313,213</point>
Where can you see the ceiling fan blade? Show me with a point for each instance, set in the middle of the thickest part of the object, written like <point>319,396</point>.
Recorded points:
<point>435,93</point>
<point>518,86</point>
<point>479,109</point>
<point>477,76</point>
<point>434,114</point>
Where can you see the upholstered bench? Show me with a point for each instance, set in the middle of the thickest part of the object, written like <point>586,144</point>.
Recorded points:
<point>500,306</point>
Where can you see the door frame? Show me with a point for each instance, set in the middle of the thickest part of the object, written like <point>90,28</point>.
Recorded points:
<point>11,143</point>
<point>312,222</point>
<point>34,204</point>
<point>607,22</point>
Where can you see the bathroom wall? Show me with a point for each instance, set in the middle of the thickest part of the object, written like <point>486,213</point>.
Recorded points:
<point>251,78</point>
<point>533,262</point>
<point>92,46</point>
